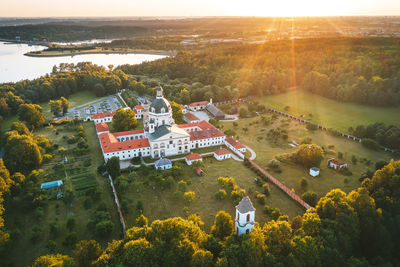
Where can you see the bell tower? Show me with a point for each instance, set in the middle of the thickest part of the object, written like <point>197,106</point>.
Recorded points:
<point>245,216</point>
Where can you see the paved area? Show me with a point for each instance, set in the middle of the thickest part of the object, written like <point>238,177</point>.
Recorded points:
<point>202,115</point>
<point>253,153</point>
<point>106,104</point>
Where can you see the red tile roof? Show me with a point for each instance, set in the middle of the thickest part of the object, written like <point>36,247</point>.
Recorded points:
<point>102,127</point>
<point>137,107</point>
<point>235,143</point>
<point>201,103</point>
<point>191,117</point>
<point>183,107</point>
<point>110,144</point>
<point>336,161</point>
<point>193,156</point>
<point>103,115</point>
<point>222,151</point>
<point>140,131</point>
<point>204,125</point>
<point>205,134</point>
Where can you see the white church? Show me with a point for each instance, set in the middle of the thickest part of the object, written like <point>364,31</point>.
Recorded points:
<point>161,137</point>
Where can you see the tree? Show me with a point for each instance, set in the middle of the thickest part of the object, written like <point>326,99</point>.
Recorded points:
<point>202,258</point>
<point>142,221</point>
<point>55,106</point>
<point>137,253</point>
<point>223,225</point>
<point>113,167</point>
<point>64,104</point>
<point>243,112</point>
<point>21,153</point>
<point>54,260</point>
<point>86,252</point>
<point>184,96</point>
<point>177,113</point>
<point>124,120</point>
<point>310,197</point>
<point>104,228</point>
<point>31,114</point>
<point>309,155</point>
<point>20,128</point>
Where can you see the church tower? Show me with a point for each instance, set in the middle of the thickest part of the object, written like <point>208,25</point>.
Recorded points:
<point>159,113</point>
<point>245,216</point>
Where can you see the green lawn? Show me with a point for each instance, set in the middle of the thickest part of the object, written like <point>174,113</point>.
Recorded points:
<point>292,174</point>
<point>160,204</point>
<point>331,113</point>
<point>17,216</point>
<point>76,99</point>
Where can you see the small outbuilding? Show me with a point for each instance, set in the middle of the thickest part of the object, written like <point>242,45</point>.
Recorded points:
<point>336,164</point>
<point>222,154</point>
<point>193,157</point>
<point>314,171</point>
<point>51,184</point>
<point>199,172</point>
<point>163,164</point>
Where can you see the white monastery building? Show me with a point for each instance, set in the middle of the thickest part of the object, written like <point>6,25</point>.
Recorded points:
<point>222,154</point>
<point>160,138</point>
<point>245,216</point>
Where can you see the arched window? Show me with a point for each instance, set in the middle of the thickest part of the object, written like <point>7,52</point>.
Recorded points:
<point>237,230</point>
<point>247,231</point>
<point>162,110</point>
<point>248,217</point>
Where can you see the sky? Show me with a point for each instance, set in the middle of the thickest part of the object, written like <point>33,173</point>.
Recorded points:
<point>101,8</point>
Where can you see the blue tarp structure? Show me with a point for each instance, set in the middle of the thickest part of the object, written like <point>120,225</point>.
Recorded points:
<point>51,184</point>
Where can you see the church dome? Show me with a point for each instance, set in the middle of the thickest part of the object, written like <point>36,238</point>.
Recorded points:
<point>160,105</point>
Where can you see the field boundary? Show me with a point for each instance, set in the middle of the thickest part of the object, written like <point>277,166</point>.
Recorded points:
<point>276,182</point>
<point>121,217</point>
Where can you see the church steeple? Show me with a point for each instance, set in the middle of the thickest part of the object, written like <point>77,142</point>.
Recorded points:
<point>159,93</point>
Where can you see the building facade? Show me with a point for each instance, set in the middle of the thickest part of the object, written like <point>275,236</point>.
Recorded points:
<point>245,216</point>
<point>160,138</point>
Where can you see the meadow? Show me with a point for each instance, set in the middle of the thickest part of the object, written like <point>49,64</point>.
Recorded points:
<point>253,133</point>
<point>330,113</point>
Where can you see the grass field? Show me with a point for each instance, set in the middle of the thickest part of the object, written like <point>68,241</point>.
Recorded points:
<point>292,174</point>
<point>80,177</point>
<point>160,204</point>
<point>74,99</point>
<point>331,113</point>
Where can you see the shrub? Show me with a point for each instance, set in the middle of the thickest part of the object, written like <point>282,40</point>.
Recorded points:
<point>261,198</point>
<point>70,240</point>
<point>354,159</point>
<point>47,158</point>
<point>369,143</point>
<point>340,155</point>
<point>104,228</point>
<point>221,194</point>
<point>266,188</point>
<point>182,185</point>
<point>311,126</point>
<point>310,197</point>
<point>189,196</point>
<point>303,184</point>
<point>273,163</point>
<point>70,224</point>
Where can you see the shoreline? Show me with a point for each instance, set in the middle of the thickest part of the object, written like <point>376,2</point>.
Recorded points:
<point>149,52</point>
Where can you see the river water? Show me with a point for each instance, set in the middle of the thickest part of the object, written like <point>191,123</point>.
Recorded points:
<point>14,66</point>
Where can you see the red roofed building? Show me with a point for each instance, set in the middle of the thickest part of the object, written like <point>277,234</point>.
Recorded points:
<point>222,154</point>
<point>102,127</point>
<point>193,157</point>
<point>234,145</point>
<point>139,111</point>
<point>184,109</point>
<point>130,135</point>
<point>190,118</point>
<point>125,150</point>
<point>103,117</point>
<point>198,105</point>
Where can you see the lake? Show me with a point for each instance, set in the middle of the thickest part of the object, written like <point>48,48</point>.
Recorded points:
<point>14,66</point>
